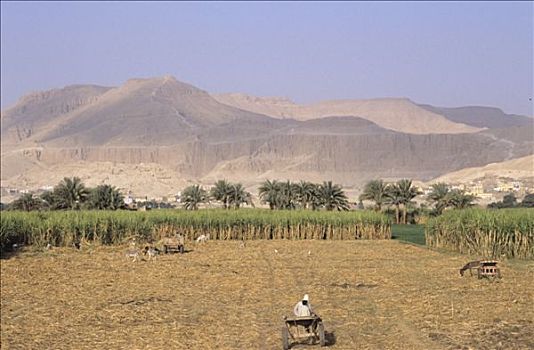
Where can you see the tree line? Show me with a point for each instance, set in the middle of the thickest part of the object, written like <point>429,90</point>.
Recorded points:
<point>278,195</point>
<point>230,195</point>
<point>72,194</point>
<point>401,193</point>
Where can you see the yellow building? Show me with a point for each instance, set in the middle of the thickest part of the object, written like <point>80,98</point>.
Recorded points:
<point>508,187</point>
<point>475,189</point>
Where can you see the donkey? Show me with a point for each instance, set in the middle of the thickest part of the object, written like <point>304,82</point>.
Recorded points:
<point>470,266</point>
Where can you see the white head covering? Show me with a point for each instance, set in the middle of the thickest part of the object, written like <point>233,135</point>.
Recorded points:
<point>306,297</point>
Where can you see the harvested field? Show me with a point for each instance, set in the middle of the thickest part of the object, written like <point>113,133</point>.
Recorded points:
<point>371,295</point>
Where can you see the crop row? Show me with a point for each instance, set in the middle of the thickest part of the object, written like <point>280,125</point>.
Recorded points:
<point>486,233</point>
<point>63,228</point>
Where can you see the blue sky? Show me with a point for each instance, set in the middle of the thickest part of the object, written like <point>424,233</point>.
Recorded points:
<point>441,53</point>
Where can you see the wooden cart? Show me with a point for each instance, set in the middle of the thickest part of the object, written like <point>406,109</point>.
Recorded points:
<point>173,244</point>
<point>488,269</point>
<point>309,329</point>
<point>484,269</point>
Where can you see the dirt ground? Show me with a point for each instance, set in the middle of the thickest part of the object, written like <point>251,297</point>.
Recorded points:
<point>370,294</point>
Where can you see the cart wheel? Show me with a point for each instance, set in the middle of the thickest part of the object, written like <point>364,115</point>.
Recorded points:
<point>320,329</point>
<point>285,338</point>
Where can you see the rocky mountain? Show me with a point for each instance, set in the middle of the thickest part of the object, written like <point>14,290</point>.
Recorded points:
<point>142,112</point>
<point>398,114</point>
<point>35,110</point>
<point>158,134</point>
<point>481,117</point>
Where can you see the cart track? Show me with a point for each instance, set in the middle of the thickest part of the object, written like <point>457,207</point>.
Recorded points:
<point>271,283</point>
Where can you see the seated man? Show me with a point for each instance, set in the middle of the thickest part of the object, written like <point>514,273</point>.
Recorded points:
<point>303,307</point>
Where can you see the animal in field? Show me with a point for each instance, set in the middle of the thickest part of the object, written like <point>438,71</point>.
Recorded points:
<point>470,266</point>
<point>203,238</point>
<point>133,254</point>
<point>151,252</point>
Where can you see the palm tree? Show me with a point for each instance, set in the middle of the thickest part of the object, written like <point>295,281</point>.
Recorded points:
<point>106,197</point>
<point>394,197</point>
<point>307,195</point>
<point>192,196</point>
<point>50,200</point>
<point>375,190</point>
<point>302,191</point>
<point>459,199</point>
<point>287,197</point>
<point>26,202</point>
<point>407,193</point>
<point>438,196</point>
<point>221,192</point>
<point>70,193</point>
<point>333,197</point>
<point>316,197</point>
<point>269,192</point>
<point>238,196</point>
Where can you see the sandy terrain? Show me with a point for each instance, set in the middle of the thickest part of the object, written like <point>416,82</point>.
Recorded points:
<point>519,168</point>
<point>371,295</point>
<point>144,179</point>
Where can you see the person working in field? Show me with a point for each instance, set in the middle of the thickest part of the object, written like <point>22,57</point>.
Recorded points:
<point>303,307</point>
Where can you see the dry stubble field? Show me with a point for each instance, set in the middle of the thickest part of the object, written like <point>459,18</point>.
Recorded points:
<point>371,295</point>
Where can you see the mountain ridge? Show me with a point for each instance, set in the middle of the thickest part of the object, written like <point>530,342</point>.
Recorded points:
<point>480,116</point>
<point>191,137</point>
<point>398,114</point>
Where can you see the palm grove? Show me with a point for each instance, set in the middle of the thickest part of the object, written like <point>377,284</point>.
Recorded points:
<point>400,195</point>
<point>276,194</point>
<point>72,194</point>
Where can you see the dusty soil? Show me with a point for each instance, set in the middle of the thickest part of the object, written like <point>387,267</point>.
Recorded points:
<point>371,295</point>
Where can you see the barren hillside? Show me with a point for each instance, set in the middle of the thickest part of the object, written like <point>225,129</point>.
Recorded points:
<point>396,114</point>
<point>481,117</point>
<point>158,111</point>
<point>183,135</point>
<point>519,168</point>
